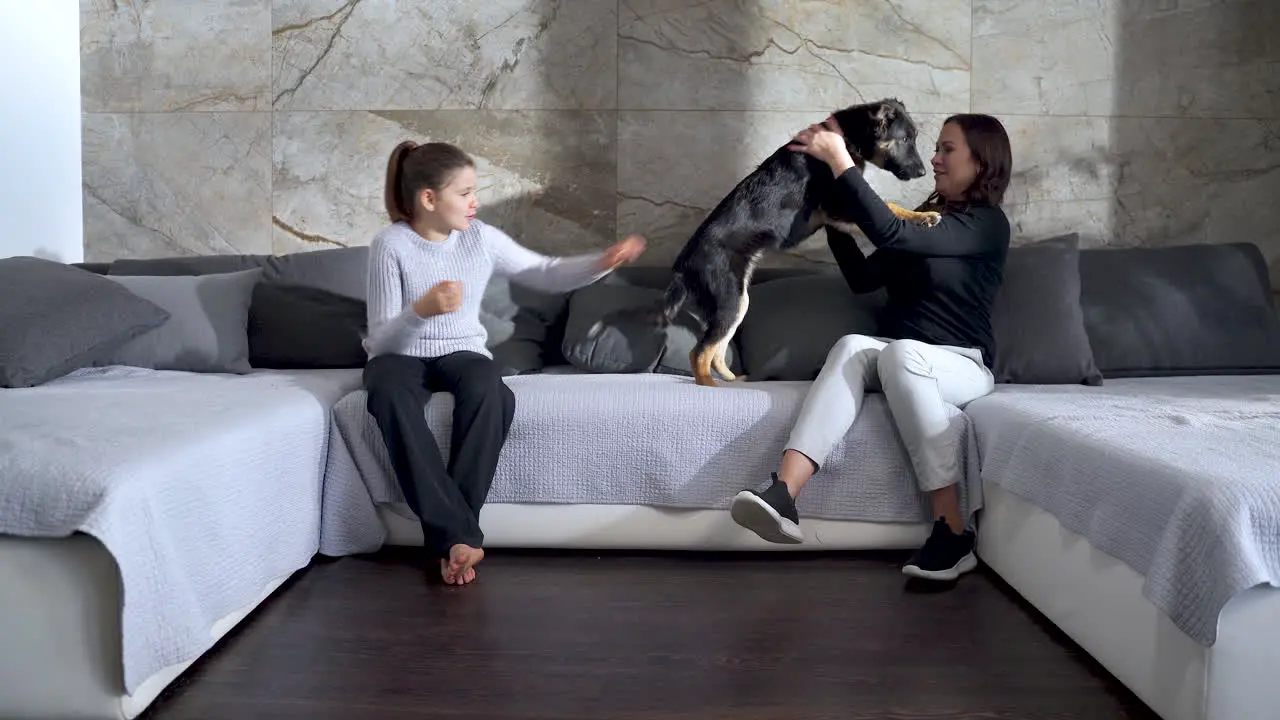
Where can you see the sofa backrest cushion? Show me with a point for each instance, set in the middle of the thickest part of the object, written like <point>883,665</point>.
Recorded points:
<point>342,271</point>
<point>793,321</point>
<point>1184,310</point>
<point>524,325</point>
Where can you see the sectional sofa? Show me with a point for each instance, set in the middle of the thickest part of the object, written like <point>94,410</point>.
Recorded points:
<point>178,436</point>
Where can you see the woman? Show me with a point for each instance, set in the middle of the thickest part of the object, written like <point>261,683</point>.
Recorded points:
<point>427,273</point>
<point>941,282</point>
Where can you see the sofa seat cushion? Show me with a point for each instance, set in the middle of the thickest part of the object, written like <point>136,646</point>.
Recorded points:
<point>1175,476</point>
<point>659,440</point>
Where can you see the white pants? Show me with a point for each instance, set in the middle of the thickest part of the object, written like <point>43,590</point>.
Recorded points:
<point>918,380</point>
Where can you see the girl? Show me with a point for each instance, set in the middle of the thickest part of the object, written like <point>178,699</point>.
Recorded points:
<point>941,283</point>
<point>427,273</point>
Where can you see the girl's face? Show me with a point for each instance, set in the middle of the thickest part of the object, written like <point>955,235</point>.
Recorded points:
<point>954,167</point>
<point>454,206</point>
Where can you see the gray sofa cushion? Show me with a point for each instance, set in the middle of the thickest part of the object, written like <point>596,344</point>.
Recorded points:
<point>629,344</point>
<point>525,327</point>
<point>55,319</point>
<point>186,265</point>
<point>1183,310</point>
<point>792,323</point>
<point>620,345</point>
<point>208,326</point>
<point>342,271</point>
<point>299,327</point>
<point>1037,321</point>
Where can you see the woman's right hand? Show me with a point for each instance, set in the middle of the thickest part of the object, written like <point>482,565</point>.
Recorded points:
<point>444,297</point>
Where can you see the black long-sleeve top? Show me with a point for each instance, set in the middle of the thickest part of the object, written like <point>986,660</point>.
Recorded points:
<point>941,281</point>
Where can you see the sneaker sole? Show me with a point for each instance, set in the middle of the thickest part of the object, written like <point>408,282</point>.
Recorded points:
<point>966,564</point>
<point>754,514</point>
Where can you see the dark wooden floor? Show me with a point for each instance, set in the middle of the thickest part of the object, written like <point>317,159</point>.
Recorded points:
<point>649,637</point>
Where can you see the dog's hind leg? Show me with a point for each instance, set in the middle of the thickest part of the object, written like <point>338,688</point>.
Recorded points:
<point>700,361</point>
<point>718,361</point>
<point>707,351</point>
<point>928,218</point>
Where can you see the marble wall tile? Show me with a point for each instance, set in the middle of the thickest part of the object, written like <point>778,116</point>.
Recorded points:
<point>1146,181</point>
<point>166,56</point>
<point>1172,58</point>
<point>811,55</point>
<point>160,184</point>
<point>264,125</point>
<point>674,167</point>
<point>548,178</point>
<point>443,54</point>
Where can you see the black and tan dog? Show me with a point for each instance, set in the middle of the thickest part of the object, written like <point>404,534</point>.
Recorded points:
<point>776,207</point>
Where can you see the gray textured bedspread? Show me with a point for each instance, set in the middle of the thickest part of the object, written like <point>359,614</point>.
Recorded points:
<point>1179,478</point>
<point>204,488</point>
<point>642,439</point>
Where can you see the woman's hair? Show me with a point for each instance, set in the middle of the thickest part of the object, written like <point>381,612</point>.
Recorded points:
<point>989,144</point>
<point>413,168</point>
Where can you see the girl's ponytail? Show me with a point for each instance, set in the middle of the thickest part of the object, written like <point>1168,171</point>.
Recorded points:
<point>399,208</point>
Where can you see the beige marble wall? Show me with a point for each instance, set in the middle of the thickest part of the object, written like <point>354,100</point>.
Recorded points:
<point>1139,122</point>
<point>263,125</point>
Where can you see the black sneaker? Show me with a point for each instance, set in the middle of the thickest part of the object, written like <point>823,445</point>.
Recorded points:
<point>770,514</point>
<point>945,555</point>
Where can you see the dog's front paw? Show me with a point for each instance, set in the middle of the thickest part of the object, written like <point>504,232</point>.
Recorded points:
<point>930,219</point>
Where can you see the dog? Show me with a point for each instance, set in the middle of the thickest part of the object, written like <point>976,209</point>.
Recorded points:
<point>777,206</point>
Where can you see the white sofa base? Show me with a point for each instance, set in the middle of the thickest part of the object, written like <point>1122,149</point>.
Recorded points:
<point>636,527</point>
<point>60,656</point>
<point>1097,601</point>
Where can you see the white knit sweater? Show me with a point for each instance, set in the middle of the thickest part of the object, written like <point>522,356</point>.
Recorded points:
<point>403,266</point>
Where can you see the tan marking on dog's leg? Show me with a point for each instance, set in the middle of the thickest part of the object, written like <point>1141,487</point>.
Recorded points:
<point>701,363</point>
<point>718,362</point>
<point>920,218</point>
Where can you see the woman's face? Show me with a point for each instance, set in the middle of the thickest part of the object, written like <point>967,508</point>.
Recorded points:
<point>954,167</point>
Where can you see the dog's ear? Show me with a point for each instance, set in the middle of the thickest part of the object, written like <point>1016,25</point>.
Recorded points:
<point>885,113</point>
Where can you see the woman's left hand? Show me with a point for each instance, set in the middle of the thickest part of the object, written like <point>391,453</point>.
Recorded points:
<point>625,251</point>
<point>825,143</point>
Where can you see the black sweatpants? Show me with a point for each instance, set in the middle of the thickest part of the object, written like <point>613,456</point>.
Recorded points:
<point>448,499</point>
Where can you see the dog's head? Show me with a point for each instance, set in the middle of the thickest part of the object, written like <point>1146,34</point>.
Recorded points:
<point>883,134</point>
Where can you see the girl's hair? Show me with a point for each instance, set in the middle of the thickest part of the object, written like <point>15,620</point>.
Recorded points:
<point>989,144</point>
<point>413,168</point>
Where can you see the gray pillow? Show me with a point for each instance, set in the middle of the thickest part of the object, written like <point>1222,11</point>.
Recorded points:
<point>629,344</point>
<point>208,327</point>
<point>1037,319</point>
<point>522,326</point>
<point>55,319</point>
<point>793,322</point>
<point>619,345</point>
<point>1202,309</point>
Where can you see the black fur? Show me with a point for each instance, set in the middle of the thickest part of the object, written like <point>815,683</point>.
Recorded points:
<point>776,207</point>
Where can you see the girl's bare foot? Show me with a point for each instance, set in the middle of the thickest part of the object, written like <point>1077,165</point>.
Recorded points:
<point>459,569</point>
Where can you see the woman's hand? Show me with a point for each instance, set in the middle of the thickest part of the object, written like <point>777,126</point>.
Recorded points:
<point>826,143</point>
<point>443,297</point>
<point>625,251</point>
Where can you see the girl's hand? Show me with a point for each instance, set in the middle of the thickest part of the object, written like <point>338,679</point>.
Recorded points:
<point>444,297</point>
<point>825,143</point>
<point>625,251</point>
